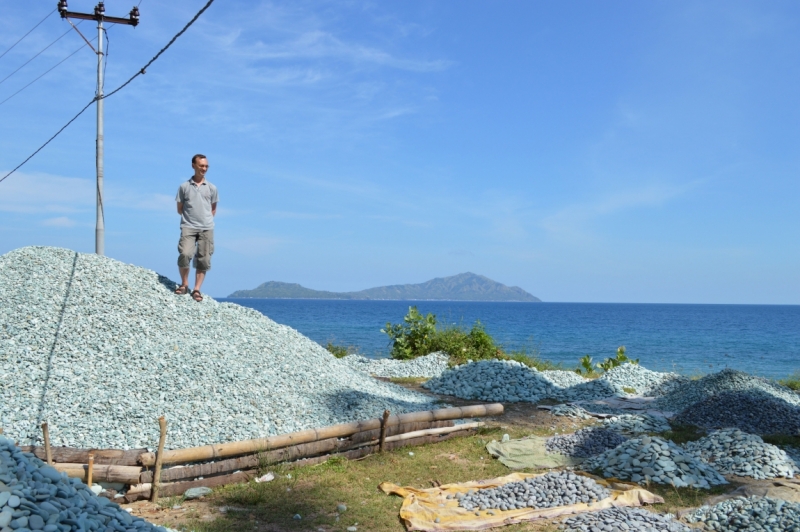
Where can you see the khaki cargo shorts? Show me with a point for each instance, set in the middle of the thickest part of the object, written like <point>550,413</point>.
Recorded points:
<point>197,244</point>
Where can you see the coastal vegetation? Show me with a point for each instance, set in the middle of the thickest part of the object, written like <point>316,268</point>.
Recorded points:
<point>419,335</point>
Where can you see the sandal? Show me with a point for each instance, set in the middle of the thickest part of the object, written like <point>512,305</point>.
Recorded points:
<point>182,289</point>
<point>197,296</point>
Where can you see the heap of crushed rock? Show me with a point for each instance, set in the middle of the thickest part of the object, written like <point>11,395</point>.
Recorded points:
<point>34,496</point>
<point>653,459</point>
<point>733,452</point>
<point>100,349</point>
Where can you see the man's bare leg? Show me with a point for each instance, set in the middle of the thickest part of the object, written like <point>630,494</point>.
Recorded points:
<point>184,276</point>
<point>198,279</point>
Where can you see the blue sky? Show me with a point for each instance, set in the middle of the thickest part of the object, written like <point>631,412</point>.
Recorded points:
<point>584,151</point>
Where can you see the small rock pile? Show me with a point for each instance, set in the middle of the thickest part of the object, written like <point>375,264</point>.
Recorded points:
<point>584,443</point>
<point>656,460</point>
<point>34,496</point>
<point>512,381</point>
<point>733,452</point>
<point>546,491</point>
<point>574,411</point>
<point>618,519</point>
<point>636,424</point>
<point>431,365</point>
<point>746,514</point>
<point>727,380</point>
<point>562,378</point>
<point>753,411</point>
<point>641,379</point>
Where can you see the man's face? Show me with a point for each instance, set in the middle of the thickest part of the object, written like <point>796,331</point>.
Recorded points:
<point>200,167</point>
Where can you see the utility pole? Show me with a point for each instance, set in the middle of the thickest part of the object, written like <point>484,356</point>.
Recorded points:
<point>99,15</point>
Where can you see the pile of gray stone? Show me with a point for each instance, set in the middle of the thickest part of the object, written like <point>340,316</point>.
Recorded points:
<point>584,442</point>
<point>34,496</point>
<point>431,365</point>
<point>653,459</point>
<point>568,410</point>
<point>622,519</point>
<point>727,380</point>
<point>744,410</point>
<point>733,452</point>
<point>550,490</point>
<point>642,380</point>
<point>637,424</point>
<point>745,514</point>
<point>512,381</point>
<point>100,349</point>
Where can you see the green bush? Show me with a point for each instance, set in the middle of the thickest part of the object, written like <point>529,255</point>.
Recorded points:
<point>340,351</point>
<point>419,336</point>
<point>792,381</point>
<point>411,338</point>
<point>590,370</point>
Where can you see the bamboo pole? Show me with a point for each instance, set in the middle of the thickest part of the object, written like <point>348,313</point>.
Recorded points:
<point>102,473</point>
<point>72,455</point>
<point>162,437</point>
<point>90,470</point>
<point>383,430</point>
<point>225,450</point>
<point>47,451</point>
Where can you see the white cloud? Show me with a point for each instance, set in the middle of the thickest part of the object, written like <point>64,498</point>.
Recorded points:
<point>60,221</point>
<point>32,193</point>
<point>250,246</point>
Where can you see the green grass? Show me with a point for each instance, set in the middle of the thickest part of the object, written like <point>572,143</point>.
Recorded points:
<point>782,439</point>
<point>679,498</point>
<point>408,380</point>
<point>340,351</point>
<point>628,389</point>
<point>792,381</point>
<point>314,492</point>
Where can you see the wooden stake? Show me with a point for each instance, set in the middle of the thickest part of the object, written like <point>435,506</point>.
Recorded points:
<point>383,430</point>
<point>47,451</point>
<point>90,470</point>
<point>162,425</point>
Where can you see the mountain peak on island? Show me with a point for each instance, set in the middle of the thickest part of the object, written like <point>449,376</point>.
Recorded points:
<point>462,287</point>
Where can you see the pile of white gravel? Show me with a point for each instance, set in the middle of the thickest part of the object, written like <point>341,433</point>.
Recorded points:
<point>431,365</point>
<point>100,349</point>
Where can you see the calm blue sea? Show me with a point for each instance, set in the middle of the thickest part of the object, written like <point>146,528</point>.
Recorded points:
<point>690,339</point>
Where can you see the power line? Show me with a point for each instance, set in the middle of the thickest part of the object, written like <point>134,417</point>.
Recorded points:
<point>42,75</point>
<point>29,32</point>
<point>140,72</point>
<point>35,56</point>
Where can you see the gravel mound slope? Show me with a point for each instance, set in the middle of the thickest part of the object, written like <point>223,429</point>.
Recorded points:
<point>34,496</point>
<point>746,514</point>
<point>100,349</point>
<point>733,452</point>
<point>727,380</point>
<point>431,365</point>
<point>754,411</point>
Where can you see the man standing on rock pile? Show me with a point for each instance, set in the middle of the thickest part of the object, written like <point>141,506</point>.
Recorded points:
<point>197,205</point>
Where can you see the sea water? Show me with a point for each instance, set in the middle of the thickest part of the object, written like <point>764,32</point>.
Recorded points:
<point>690,339</point>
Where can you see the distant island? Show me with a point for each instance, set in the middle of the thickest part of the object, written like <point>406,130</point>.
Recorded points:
<point>461,287</point>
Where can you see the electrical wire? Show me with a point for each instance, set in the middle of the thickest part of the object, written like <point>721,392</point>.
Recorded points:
<point>29,32</point>
<point>42,75</point>
<point>140,72</point>
<point>35,56</point>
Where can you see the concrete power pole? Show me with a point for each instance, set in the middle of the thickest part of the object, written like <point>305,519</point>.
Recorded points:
<point>99,15</point>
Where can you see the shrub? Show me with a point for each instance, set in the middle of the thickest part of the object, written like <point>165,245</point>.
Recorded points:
<point>411,338</point>
<point>340,351</point>
<point>792,381</point>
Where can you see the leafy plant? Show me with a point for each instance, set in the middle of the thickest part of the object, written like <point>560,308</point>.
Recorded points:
<point>792,381</point>
<point>340,351</point>
<point>411,338</point>
<point>588,368</point>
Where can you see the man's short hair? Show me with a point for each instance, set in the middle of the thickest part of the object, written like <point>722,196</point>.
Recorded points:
<point>198,156</point>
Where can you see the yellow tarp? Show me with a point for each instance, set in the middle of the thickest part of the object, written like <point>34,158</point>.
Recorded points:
<point>421,507</point>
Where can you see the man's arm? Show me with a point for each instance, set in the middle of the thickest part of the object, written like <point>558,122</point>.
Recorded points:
<point>213,209</point>
<point>180,209</point>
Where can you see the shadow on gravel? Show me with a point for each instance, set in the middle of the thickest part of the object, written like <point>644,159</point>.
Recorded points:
<point>168,283</point>
<point>358,405</point>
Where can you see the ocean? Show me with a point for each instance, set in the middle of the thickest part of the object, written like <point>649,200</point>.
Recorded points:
<point>689,339</point>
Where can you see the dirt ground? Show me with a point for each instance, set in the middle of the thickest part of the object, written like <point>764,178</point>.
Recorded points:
<point>518,418</point>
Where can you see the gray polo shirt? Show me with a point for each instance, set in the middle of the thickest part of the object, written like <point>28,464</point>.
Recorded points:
<point>197,200</point>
